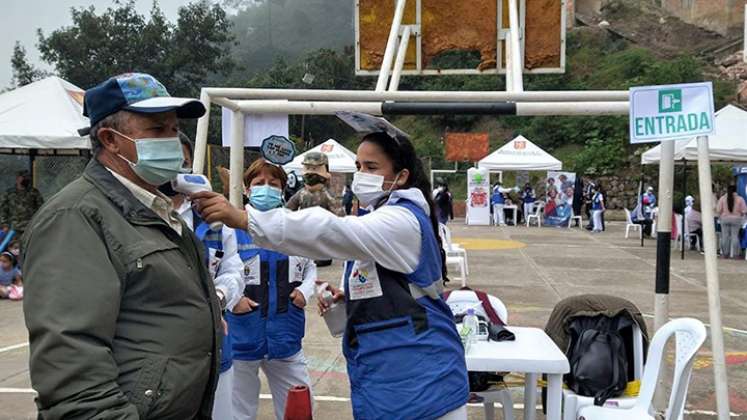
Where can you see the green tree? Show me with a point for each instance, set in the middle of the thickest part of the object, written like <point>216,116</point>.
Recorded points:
<point>183,55</point>
<point>23,71</point>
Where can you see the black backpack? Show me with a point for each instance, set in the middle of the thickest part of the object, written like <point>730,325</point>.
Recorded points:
<point>598,357</point>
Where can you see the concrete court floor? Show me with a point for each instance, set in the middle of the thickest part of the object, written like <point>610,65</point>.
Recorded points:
<point>530,269</point>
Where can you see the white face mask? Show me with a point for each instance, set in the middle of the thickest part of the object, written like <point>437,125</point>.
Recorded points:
<point>369,188</point>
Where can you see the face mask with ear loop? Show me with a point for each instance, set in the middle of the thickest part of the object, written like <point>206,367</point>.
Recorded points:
<point>369,188</point>
<point>159,160</point>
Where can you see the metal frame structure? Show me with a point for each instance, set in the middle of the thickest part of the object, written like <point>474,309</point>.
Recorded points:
<point>514,38</point>
<point>386,99</point>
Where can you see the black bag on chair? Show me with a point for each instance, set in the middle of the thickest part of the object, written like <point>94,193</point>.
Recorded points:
<point>598,357</point>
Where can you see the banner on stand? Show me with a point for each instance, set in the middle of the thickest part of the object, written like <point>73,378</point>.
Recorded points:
<point>559,189</point>
<point>478,197</point>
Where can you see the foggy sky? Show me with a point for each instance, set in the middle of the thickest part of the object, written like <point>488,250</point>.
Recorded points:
<point>19,20</point>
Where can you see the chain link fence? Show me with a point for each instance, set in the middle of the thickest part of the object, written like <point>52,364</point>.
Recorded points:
<point>51,173</point>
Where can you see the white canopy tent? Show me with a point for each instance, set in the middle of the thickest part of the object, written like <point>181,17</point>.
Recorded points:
<point>341,160</point>
<point>727,143</point>
<point>520,154</point>
<point>43,115</point>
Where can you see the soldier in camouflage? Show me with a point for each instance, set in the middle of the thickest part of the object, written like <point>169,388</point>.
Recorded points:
<point>18,205</point>
<point>316,176</point>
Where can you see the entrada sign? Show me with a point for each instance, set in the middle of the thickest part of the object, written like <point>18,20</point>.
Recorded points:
<point>670,112</point>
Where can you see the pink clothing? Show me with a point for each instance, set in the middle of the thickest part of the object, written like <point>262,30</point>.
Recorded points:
<point>738,211</point>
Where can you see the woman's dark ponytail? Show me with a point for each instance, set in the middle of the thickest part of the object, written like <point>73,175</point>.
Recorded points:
<point>403,156</point>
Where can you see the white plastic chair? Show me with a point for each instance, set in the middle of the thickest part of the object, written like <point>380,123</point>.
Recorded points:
<point>690,335</point>
<point>452,249</point>
<point>459,301</point>
<point>574,217</point>
<point>688,236</point>
<point>630,225</point>
<point>573,402</point>
<point>537,215</point>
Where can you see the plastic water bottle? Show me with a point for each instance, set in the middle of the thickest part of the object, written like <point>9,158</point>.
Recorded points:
<point>335,317</point>
<point>471,324</point>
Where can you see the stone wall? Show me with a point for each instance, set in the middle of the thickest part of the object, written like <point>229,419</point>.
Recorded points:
<point>722,16</point>
<point>621,191</point>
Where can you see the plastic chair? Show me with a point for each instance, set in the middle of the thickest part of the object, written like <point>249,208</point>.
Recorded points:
<point>574,217</point>
<point>573,402</point>
<point>630,225</point>
<point>690,335</point>
<point>459,301</point>
<point>688,235</point>
<point>452,249</point>
<point>537,215</point>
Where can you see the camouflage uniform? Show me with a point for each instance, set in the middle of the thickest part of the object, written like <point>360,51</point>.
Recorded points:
<point>17,207</point>
<point>322,198</point>
<point>314,195</point>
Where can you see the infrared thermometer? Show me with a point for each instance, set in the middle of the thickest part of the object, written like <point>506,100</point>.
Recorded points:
<point>193,183</point>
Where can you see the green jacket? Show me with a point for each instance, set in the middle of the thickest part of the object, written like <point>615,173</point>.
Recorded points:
<point>123,320</point>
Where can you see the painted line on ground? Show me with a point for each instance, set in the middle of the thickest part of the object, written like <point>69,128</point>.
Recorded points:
<point>330,398</point>
<point>13,347</point>
<point>541,273</point>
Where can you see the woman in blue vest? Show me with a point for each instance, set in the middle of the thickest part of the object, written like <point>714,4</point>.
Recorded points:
<point>404,356</point>
<point>267,325</point>
<point>527,198</point>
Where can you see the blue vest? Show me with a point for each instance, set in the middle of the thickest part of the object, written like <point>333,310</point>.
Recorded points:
<point>496,197</point>
<point>274,329</point>
<point>596,202</point>
<point>213,240</point>
<point>404,356</point>
<point>527,196</point>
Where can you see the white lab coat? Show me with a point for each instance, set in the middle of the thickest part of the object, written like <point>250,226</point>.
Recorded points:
<point>390,235</point>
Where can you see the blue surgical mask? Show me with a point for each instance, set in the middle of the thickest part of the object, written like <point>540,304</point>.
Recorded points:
<point>265,197</point>
<point>159,160</point>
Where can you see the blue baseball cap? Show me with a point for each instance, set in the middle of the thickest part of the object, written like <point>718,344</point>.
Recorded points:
<point>135,92</point>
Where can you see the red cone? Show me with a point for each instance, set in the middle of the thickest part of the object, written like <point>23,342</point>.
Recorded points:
<point>298,404</point>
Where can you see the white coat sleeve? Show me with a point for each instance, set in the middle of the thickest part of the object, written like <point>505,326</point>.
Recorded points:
<point>229,279</point>
<point>309,280</point>
<point>390,235</point>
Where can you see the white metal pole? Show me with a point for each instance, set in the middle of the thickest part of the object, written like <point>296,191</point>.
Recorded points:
<point>236,158</point>
<point>572,108</point>
<point>744,46</point>
<point>417,96</point>
<point>391,44</point>
<point>307,108</point>
<point>198,160</point>
<point>517,64</point>
<point>663,253</point>
<point>509,65</point>
<point>399,63</point>
<point>664,234</point>
<point>712,280</point>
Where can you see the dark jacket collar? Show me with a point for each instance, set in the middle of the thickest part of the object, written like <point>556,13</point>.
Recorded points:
<point>131,208</point>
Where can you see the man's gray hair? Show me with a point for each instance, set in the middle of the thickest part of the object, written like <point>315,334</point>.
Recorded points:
<point>117,121</point>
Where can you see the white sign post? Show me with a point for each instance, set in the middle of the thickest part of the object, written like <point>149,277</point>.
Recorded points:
<point>671,112</point>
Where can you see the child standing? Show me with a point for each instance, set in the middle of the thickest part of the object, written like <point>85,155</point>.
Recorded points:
<point>11,284</point>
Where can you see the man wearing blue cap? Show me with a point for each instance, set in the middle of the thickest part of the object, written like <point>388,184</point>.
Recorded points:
<point>123,319</point>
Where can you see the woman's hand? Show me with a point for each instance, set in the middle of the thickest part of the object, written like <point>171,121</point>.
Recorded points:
<point>298,299</point>
<point>245,305</point>
<point>213,207</point>
<point>337,296</point>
